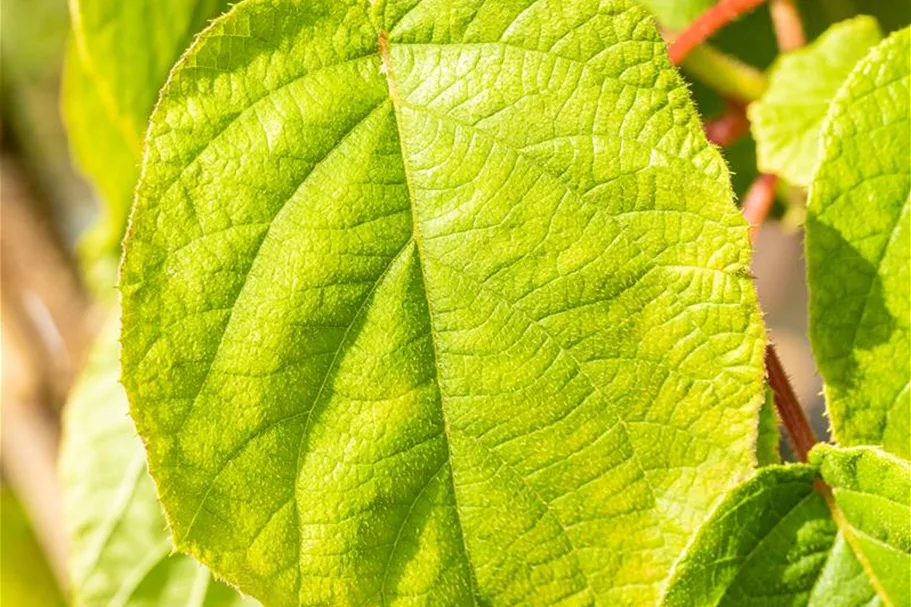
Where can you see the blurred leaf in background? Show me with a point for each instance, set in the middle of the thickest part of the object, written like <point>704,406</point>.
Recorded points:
<point>118,58</point>
<point>25,578</point>
<point>31,53</point>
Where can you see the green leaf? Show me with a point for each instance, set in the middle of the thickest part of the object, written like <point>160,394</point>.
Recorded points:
<point>120,550</point>
<point>677,14</point>
<point>787,119</point>
<point>872,491</point>
<point>772,541</point>
<point>767,445</point>
<point>442,301</point>
<point>843,582</point>
<point>118,59</point>
<point>25,575</point>
<point>859,253</point>
<point>102,153</point>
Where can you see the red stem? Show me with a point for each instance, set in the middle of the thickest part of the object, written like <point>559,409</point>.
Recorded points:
<point>758,201</point>
<point>727,129</point>
<point>756,206</point>
<point>789,410</point>
<point>788,25</point>
<point>707,24</point>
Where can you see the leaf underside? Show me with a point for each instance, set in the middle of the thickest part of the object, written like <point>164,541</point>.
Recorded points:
<point>859,252</point>
<point>437,302</point>
<point>769,434</point>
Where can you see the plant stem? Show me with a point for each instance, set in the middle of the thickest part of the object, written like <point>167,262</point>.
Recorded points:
<point>728,75</point>
<point>758,201</point>
<point>707,24</point>
<point>789,410</point>
<point>756,206</point>
<point>788,25</point>
<point>726,129</point>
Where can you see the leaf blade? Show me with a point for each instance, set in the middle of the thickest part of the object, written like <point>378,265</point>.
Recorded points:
<point>786,121</point>
<point>872,491</point>
<point>771,541</point>
<point>337,300</point>
<point>857,253</point>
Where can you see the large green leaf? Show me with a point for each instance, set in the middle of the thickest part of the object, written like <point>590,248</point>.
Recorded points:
<point>859,252</point>
<point>440,301</point>
<point>120,550</point>
<point>771,542</point>
<point>786,120</point>
<point>119,57</point>
<point>872,492</point>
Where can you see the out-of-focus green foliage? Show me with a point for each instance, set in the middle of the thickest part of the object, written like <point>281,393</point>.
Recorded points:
<point>118,59</point>
<point>120,549</point>
<point>25,578</point>
<point>786,121</point>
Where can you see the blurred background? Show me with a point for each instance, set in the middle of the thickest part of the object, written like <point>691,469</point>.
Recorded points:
<point>54,293</point>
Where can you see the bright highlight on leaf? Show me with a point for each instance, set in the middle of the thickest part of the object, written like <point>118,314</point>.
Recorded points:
<point>786,121</point>
<point>440,301</point>
<point>859,252</point>
<point>120,550</point>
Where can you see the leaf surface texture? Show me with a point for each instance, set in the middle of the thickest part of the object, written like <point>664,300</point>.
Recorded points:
<point>439,302</point>
<point>859,252</point>
<point>872,492</point>
<point>121,553</point>
<point>771,542</point>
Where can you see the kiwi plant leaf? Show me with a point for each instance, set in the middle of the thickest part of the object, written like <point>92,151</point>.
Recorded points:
<point>120,550</point>
<point>872,491</point>
<point>771,542</point>
<point>858,249</point>
<point>118,59</point>
<point>787,118</point>
<point>442,301</point>
<point>769,439</point>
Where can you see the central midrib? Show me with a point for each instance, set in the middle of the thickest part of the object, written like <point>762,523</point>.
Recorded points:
<point>383,47</point>
<point>389,73</point>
